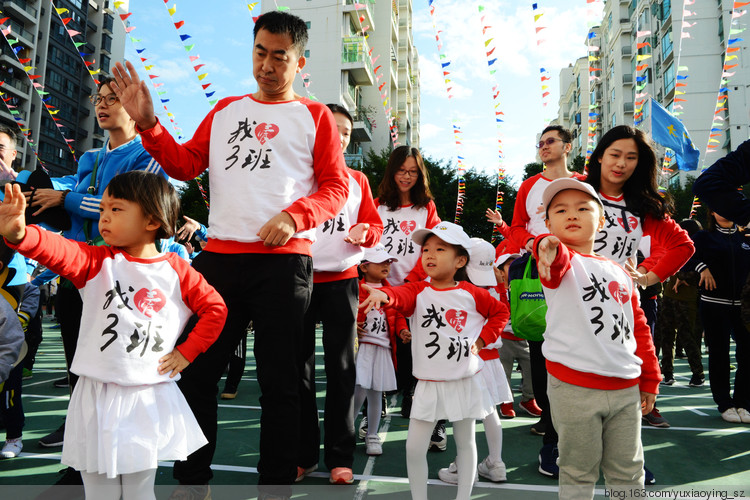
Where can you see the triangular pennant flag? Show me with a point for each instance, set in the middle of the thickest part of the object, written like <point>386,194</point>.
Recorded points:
<point>179,24</point>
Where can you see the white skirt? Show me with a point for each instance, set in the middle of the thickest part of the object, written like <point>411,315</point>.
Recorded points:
<point>113,429</point>
<point>452,400</point>
<point>494,378</point>
<point>375,368</point>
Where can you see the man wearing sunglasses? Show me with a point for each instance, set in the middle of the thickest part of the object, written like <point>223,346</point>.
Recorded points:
<point>528,221</point>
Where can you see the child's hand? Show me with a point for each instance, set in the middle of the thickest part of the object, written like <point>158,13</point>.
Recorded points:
<point>546,253</point>
<point>477,346</point>
<point>405,335</point>
<point>495,217</point>
<point>361,328</point>
<point>648,401</point>
<point>358,234</point>
<point>12,218</point>
<point>375,299</point>
<point>173,362</point>
<point>707,280</point>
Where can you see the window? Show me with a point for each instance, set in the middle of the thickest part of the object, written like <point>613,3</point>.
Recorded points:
<point>104,63</point>
<point>666,9</point>
<point>613,95</point>
<point>614,120</point>
<point>721,29</point>
<point>669,79</point>
<point>308,24</point>
<point>666,45</point>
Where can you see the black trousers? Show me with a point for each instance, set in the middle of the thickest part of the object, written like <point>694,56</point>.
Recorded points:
<point>272,291</point>
<point>539,383</point>
<point>335,305</point>
<point>69,307</point>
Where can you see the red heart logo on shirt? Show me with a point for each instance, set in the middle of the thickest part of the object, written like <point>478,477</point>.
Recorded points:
<point>408,226</point>
<point>632,223</point>
<point>149,302</point>
<point>457,319</point>
<point>266,131</point>
<point>618,291</point>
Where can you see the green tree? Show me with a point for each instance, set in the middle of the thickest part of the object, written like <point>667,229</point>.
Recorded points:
<point>192,201</point>
<point>531,169</point>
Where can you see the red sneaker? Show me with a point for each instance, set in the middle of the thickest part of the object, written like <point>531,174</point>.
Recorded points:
<point>302,472</point>
<point>341,475</point>
<point>531,408</point>
<point>507,411</point>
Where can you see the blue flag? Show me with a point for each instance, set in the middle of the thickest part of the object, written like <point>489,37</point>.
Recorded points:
<point>671,133</point>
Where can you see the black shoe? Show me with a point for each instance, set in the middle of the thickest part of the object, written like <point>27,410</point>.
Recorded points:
<point>548,461</point>
<point>68,487</point>
<point>439,439</point>
<point>62,383</point>
<point>668,379</point>
<point>650,479</point>
<point>539,428</point>
<point>384,411</point>
<point>230,392</point>
<point>54,439</point>
<point>697,380</point>
<point>406,405</point>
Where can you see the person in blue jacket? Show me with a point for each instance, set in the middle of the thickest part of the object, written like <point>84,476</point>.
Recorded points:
<point>80,195</point>
<point>717,187</point>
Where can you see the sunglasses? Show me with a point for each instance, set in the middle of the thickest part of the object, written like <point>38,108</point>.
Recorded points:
<point>549,142</point>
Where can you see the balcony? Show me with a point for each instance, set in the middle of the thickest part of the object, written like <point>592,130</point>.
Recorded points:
<point>355,59</point>
<point>362,128</point>
<point>627,79</point>
<point>356,14</point>
<point>627,107</point>
<point>21,8</point>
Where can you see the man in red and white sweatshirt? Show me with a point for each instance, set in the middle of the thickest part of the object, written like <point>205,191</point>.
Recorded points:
<point>337,251</point>
<point>276,173</point>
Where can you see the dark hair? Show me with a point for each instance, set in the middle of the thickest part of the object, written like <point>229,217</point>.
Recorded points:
<point>336,108</point>
<point>107,80</point>
<point>565,134</point>
<point>4,129</point>
<point>6,253</point>
<point>283,23</point>
<point>461,274</point>
<point>155,195</point>
<point>691,226</point>
<point>641,191</point>
<point>388,193</point>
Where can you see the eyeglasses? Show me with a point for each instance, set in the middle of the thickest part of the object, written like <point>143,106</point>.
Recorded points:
<point>410,173</point>
<point>110,99</point>
<point>549,142</point>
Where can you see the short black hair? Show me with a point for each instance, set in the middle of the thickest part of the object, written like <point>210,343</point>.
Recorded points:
<point>337,108</point>
<point>4,129</point>
<point>283,23</point>
<point>565,134</point>
<point>155,195</point>
<point>107,80</point>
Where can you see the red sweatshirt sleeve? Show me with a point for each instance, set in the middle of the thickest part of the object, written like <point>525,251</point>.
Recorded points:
<point>368,211</point>
<point>205,302</point>
<point>432,216</point>
<point>404,298</point>
<point>560,265</point>
<point>495,311</point>
<point>650,373</point>
<point>329,171</point>
<point>671,246</point>
<point>73,260</point>
<point>518,233</point>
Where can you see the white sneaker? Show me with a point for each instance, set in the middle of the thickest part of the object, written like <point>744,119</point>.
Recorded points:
<point>731,415</point>
<point>374,447</point>
<point>12,448</point>
<point>495,472</point>
<point>744,415</point>
<point>363,428</point>
<point>450,474</point>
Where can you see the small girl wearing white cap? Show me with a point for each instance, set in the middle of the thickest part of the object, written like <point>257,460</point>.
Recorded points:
<point>377,345</point>
<point>451,321</point>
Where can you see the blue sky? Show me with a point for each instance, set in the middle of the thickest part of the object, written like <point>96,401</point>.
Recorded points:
<point>223,40</point>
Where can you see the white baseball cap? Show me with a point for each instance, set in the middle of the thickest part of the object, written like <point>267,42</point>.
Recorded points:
<point>502,259</point>
<point>446,231</point>
<point>481,260</point>
<point>558,185</point>
<point>377,255</point>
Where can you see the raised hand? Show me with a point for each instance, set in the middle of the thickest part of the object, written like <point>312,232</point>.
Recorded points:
<point>358,234</point>
<point>12,218</point>
<point>546,253</point>
<point>494,216</point>
<point>376,299</point>
<point>188,229</point>
<point>134,95</point>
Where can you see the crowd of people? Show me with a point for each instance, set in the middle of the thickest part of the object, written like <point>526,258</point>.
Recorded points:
<point>407,302</point>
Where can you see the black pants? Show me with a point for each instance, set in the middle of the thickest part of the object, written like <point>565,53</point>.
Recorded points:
<point>335,305</point>
<point>69,307</point>
<point>272,291</point>
<point>539,383</point>
<point>237,364</point>
<point>33,338</point>
<point>11,407</point>
<point>720,322</point>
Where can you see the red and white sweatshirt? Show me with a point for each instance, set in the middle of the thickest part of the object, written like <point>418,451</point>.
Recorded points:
<point>381,325</point>
<point>398,225</point>
<point>528,220</point>
<point>597,335</point>
<point>671,247</point>
<point>333,258</point>
<point>445,323</point>
<point>263,158</point>
<point>134,310</point>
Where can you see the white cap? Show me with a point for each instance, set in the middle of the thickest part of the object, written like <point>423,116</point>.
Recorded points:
<point>446,231</point>
<point>502,259</point>
<point>377,255</point>
<point>558,185</point>
<point>481,259</point>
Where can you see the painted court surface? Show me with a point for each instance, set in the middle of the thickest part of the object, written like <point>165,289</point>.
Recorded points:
<point>699,455</point>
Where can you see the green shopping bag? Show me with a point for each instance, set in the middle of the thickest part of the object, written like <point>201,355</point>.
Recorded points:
<point>527,305</point>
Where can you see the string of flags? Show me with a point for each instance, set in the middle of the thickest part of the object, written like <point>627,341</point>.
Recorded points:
<point>200,73</point>
<point>544,75</point>
<point>492,58</point>
<point>25,130</point>
<point>460,168</point>
<point>593,59</point>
